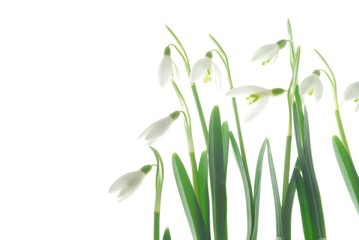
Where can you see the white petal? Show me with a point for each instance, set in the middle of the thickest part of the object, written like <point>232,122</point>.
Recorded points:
<point>266,52</point>
<point>156,130</point>
<point>352,92</point>
<point>218,77</point>
<point>127,181</point>
<point>312,82</point>
<point>245,90</point>
<point>318,90</point>
<point>167,70</point>
<point>306,85</point>
<point>357,107</point>
<point>257,108</point>
<point>199,68</point>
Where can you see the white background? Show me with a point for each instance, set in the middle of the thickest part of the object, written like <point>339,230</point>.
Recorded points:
<point>78,84</point>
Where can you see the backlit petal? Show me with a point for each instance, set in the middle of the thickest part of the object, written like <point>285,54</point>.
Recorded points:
<point>257,108</point>
<point>200,68</point>
<point>352,92</point>
<point>245,91</point>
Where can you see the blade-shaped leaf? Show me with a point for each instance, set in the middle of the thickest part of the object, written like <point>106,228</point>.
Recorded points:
<point>304,206</point>
<point>217,176</point>
<point>189,200</point>
<point>288,205</point>
<point>246,184</point>
<point>203,188</point>
<point>257,190</point>
<point>311,185</point>
<point>225,140</point>
<point>347,168</point>
<point>277,204</point>
<point>167,234</point>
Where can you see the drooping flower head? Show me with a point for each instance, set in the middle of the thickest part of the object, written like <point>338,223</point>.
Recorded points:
<point>351,93</point>
<point>312,85</point>
<point>206,70</point>
<point>268,53</point>
<point>128,183</point>
<point>167,70</point>
<point>257,97</point>
<point>158,128</point>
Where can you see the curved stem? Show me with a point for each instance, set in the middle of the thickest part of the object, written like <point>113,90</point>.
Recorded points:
<point>222,54</point>
<point>336,103</point>
<point>185,59</point>
<point>188,67</point>
<point>188,130</point>
<point>288,145</point>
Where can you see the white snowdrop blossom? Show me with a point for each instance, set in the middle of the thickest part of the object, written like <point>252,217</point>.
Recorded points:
<point>351,93</point>
<point>158,128</point>
<point>257,97</point>
<point>268,53</point>
<point>168,70</point>
<point>312,85</point>
<point>206,70</point>
<point>128,183</point>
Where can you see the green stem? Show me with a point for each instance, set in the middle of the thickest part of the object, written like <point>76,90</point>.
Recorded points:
<point>341,131</point>
<point>194,174</point>
<point>333,81</point>
<point>222,54</point>
<point>156,230</point>
<point>200,113</point>
<point>188,130</point>
<point>185,59</point>
<point>288,147</point>
<point>290,97</point>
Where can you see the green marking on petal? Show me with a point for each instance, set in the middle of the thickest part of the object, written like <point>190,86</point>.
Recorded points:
<point>356,100</point>
<point>207,76</point>
<point>252,98</point>
<point>311,91</point>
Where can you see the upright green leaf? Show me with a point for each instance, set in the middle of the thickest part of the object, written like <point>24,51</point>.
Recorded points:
<point>167,234</point>
<point>225,139</point>
<point>311,185</point>
<point>288,205</point>
<point>347,168</point>
<point>275,189</point>
<point>246,185</point>
<point>217,176</point>
<point>257,190</point>
<point>203,188</point>
<point>189,200</point>
<point>304,206</point>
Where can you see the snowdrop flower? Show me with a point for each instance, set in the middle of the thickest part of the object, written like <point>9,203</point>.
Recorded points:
<point>352,94</point>
<point>268,53</point>
<point>158,128</point>
<point>167,70</point>
<point>257,97</point>
<point>312,85</point>
<point>129,182</point>
<point>206,69</point>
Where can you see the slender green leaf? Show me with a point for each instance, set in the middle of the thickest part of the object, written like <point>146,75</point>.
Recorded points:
<point>203,188</point>
<point>304,206</point>
<point>257,190</point>
<point>311,185</point>
<point>167,234</point>
<point>189,200</point>
<point>275,189</point>
<point>347,168</point>
<point>217,176</point>
<point>288,205</point>
<point>225,140</point>
<point>246,184</point>
<point>312,175</point>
